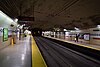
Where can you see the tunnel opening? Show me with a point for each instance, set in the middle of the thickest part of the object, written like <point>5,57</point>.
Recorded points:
<point>36,32</point>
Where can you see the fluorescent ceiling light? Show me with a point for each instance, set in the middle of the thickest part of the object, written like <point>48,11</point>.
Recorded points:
<point>16,20</point>
<point>65,30</point>
<point>76,28</point>
<point>98,26</point>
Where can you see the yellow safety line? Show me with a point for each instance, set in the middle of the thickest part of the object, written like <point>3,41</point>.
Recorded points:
<point>37,59</point>
<point>84,46</point>
<point>89,47</point>
<point>78,44</point>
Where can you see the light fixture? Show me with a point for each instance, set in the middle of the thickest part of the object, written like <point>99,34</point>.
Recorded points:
<point>76,28</point>
<point>18,25</point>
<point>23,24</point>
<point>98,26</point>
<point>65,30</point>
<point>16,20</point>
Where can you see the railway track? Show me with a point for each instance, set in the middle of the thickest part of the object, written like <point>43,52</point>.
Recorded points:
<point>57,55</point>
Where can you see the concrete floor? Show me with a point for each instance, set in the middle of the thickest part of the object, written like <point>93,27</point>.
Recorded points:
<point>18,55</point>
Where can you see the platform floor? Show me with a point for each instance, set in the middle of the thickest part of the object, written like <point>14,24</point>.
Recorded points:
<point>18,55</point>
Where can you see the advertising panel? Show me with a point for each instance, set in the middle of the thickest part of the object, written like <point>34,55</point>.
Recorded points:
<point>5,34</point>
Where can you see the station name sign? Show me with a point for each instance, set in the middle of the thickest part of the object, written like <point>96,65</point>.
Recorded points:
<point>24,18</point>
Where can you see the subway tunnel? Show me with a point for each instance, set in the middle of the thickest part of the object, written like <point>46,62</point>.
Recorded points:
<point>50,33</point>
<point>36,32</point>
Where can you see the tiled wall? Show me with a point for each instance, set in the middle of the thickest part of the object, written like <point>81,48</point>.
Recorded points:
<point>4,44</point>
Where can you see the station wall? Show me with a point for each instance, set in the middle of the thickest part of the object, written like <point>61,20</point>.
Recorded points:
<point>4,44</point>
<point>89,36</point>
<point>6,22</point>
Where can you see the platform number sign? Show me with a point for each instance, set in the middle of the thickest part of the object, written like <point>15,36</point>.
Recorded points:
<point>5,34</point>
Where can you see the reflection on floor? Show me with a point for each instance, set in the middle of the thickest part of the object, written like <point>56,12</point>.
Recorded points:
<point>18,55</point>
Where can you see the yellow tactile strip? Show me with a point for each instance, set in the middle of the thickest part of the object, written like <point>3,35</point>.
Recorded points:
<point>37,59</point>
<point>77,44</point>
<point>85,46</point>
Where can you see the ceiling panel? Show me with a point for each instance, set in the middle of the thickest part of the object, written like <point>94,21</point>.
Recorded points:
<point>55,13</point>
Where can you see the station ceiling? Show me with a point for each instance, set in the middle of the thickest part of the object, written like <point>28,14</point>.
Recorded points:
<point>50,14</point>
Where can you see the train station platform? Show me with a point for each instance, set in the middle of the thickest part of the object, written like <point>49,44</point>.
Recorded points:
<point>41,52</point>
<point>37,59</point>
<point>83,44</point>
<point>18,55</point>
<point>24,53</point>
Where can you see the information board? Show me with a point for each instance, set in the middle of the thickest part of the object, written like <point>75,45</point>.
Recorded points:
<point>5,34</point>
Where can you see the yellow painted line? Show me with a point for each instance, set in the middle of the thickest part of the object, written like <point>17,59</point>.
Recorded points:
<point>12,41</point>
<point>77,44</point>
<point>89,47</point>
<point>84,46</point>
<point>37,59</point>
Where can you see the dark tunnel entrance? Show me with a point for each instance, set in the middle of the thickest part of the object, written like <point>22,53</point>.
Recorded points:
<point>36,32</point>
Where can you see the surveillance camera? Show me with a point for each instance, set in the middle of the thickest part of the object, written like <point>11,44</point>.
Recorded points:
<point>11,25</point>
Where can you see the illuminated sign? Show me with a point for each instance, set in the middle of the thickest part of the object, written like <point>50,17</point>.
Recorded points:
<point>87,36</point>
<point>5,34</point>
